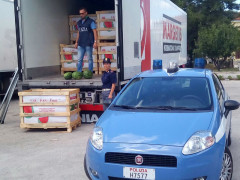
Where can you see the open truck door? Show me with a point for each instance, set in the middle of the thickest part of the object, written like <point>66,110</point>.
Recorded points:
<point>131,42</point>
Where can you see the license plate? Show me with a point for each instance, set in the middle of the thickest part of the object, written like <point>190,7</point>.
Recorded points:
<point>138,173</point>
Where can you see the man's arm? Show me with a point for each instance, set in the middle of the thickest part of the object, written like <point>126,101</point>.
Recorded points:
<point>94,29</point>
<point>76,43</point>
<point>95,38</point>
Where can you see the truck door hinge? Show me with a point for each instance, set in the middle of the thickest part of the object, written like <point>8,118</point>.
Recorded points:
<point>18,8</point>
<point>20,46</point>
<point>116,2</point>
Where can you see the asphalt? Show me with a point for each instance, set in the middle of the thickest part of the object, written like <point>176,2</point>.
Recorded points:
<point>55,154</point>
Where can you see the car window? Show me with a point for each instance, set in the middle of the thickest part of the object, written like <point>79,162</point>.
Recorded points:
<point>188,92</point>
<point>219,91</point>
<point>220,84</point>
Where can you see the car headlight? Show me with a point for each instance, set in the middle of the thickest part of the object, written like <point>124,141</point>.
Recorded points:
<point>198,142</point>
<point>97,138</point>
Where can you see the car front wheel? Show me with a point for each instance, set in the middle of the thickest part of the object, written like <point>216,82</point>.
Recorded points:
<point>85,168</point>
<point>227,166</point>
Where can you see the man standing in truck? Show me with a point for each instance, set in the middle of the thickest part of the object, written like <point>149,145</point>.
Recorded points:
<point>86,39</point>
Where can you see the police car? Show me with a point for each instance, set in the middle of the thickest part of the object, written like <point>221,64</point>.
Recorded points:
<point>164,125</point>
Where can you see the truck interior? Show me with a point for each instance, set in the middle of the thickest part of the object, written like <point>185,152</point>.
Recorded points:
<point>45,25</point>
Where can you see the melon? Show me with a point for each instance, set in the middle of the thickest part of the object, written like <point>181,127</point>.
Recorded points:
<point>77,75</point>
<point>67,75</point>
<point>87,74</point>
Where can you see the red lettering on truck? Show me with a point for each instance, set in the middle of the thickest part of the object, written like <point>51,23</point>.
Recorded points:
<point>171,31</point>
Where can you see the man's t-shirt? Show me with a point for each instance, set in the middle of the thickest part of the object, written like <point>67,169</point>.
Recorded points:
<point>108,78</point>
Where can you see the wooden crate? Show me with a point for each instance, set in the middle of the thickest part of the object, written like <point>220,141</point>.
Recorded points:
<point>108,50</point>
<point>106,26</point>
<point>106,43</point>
<point>113,65</point>
<point>69,55</point>
<point>71,51</point>
<point>49,108</point>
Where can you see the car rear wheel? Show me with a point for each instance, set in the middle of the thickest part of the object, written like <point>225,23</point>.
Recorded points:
<point>227,166</point>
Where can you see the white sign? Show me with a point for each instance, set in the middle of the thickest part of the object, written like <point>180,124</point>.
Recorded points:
<point>138,173</point>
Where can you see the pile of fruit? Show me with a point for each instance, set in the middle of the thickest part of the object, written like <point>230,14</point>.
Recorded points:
<point>87,74</point>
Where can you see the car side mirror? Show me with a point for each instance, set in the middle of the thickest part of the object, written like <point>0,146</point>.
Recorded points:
<point>229,106</point>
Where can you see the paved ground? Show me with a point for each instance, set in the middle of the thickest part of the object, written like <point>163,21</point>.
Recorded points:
<point>58,155</point>
<point>36,154</point>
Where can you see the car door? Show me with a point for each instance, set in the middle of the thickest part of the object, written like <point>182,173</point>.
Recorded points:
<point>222,97</point>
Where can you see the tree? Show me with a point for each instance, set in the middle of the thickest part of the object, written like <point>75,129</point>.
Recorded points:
<point>204,13</point>
<point>217,42</point>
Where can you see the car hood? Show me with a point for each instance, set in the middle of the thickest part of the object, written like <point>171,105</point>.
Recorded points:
<point>173,129</point>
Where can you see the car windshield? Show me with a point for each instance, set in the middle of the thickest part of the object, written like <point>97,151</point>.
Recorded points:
<point>166,93</point>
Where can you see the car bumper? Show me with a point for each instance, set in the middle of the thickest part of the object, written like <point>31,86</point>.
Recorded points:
<point>206,163</point>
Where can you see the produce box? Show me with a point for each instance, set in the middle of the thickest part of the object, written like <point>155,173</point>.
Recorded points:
<point>49,108</point>
<point>106,26</point>
<point>107,33</point>
<point>69,59</point>
<point>106,15</point>
<point>106,55</point>
<point>108,48</point>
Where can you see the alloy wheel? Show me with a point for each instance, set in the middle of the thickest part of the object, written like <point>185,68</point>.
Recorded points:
<point>227,166</point>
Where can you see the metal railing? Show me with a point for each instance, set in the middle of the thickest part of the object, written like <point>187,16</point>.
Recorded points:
<point>8,96</point>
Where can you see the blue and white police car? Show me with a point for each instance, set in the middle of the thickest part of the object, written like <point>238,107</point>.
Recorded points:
<point>164,125</point>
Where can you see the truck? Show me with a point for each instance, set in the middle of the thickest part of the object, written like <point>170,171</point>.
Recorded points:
<point>146,30</point>
<point>8,48</point>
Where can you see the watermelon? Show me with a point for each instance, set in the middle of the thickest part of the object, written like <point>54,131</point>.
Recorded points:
<point>77,75</point>
<point>87,74</point>
<point>43,119</point>
<point>68,75</point>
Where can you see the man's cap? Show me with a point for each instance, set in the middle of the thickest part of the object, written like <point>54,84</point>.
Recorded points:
<point>106,60</point>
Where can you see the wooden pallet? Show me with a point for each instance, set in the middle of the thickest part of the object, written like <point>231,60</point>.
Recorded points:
<point>46,102</point>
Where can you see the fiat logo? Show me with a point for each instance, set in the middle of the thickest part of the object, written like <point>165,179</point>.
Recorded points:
<point>138,160</point>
